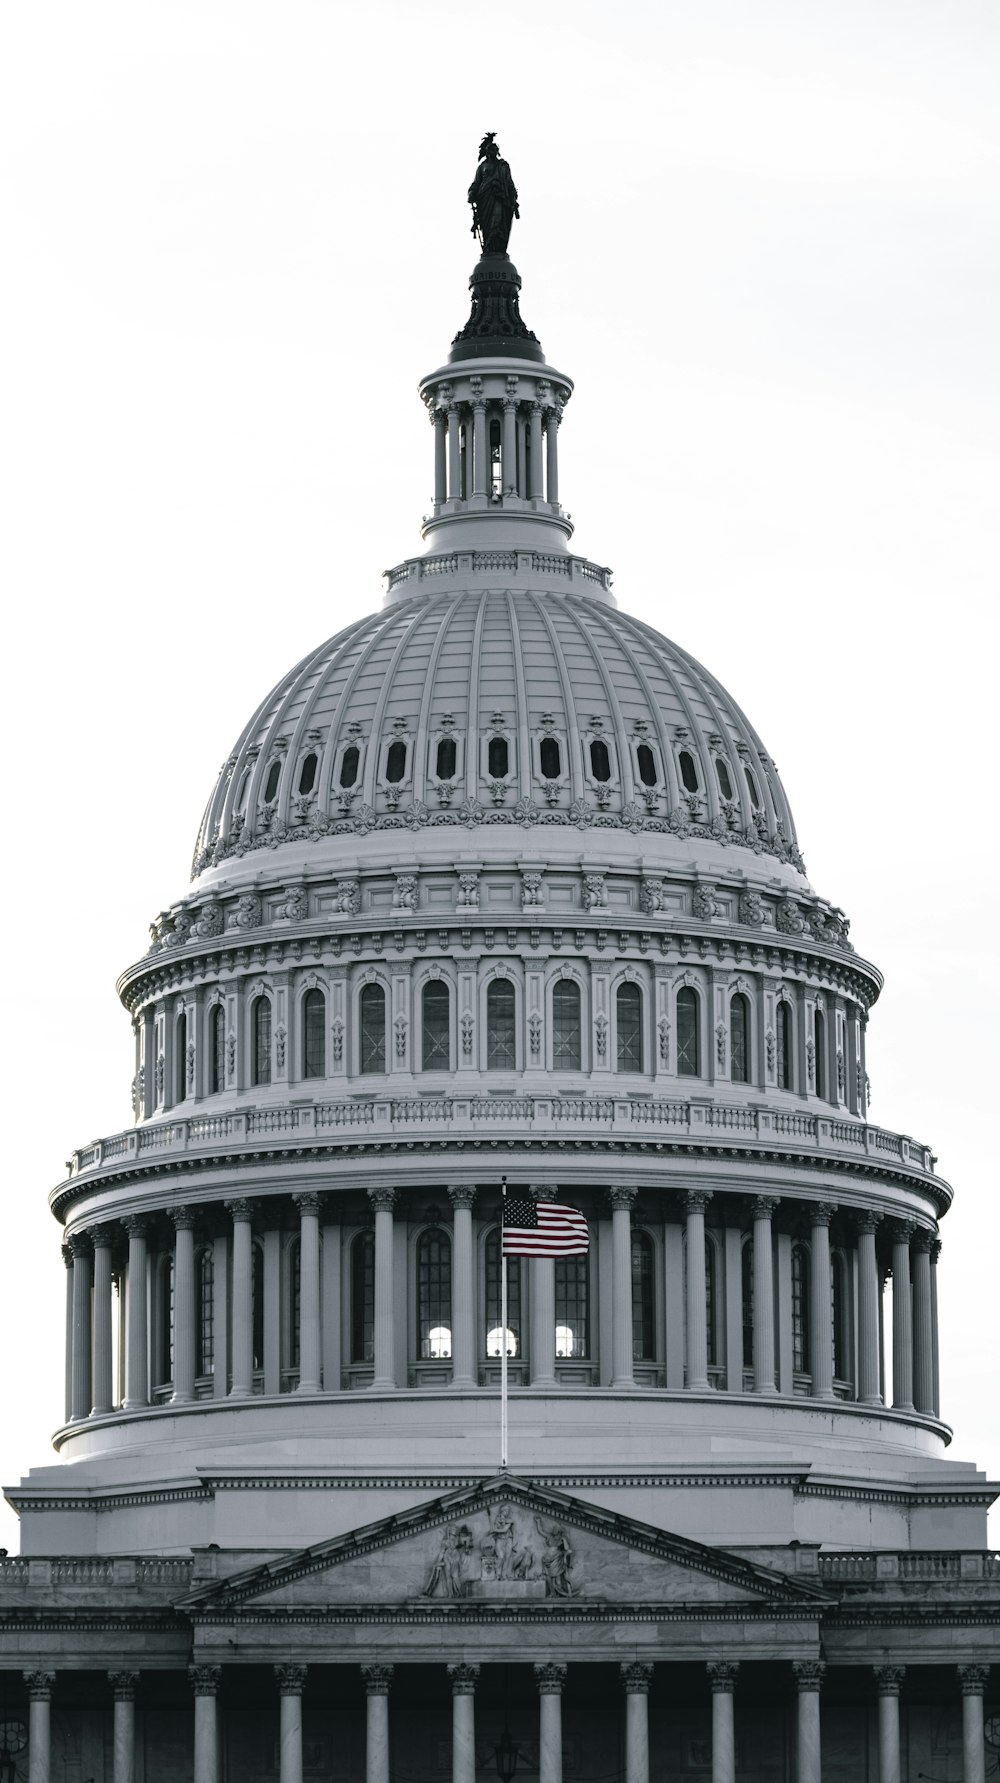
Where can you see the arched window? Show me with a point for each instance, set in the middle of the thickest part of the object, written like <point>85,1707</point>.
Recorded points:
<point>204,1343</point>
<point>643,1304</point>
<point>271,783</point>
<point>567,1046</point>
<point>307,773</point>
<point>494,1328</point>
<point>628,1012</point>
<point>261,1040</point>
<point>688,1047</point>
<point>819,1042</point>
<point>434,1295</point>
<point>217,1049</point>
<point>739,1038</point>
<point>165,1330</point>
<point>363,1298</point>
<point>548,758</point>
<point>447,758</point>
<point>800,1309</point>
<point>395,762</point>
<point>600,760</point>
<point>180,1057</point>
<point>840,1311</point>
<point>711,1301</point>
<point>647,765</point>
<point>435,1026</point>
<point>785,1050</point>
<point>572,1307</point>
<point>722,776</point>
<point>372,1031</point>
<point>257,1303</point>
<point>752,788</point>
<point>501,1043</point>
<point>294,1302</point>
<point>689,773</point>
<point>314,1034</point>
<point>746,1287</point>
<point>498,758</point>
<point>349,763</point>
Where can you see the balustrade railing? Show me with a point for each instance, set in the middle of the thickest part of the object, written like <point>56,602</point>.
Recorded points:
<point>920,1567</point>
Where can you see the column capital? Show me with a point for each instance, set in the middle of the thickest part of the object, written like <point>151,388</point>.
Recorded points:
<point>79,1245</point>
<point>901,1231</point>
<point>722,1675</point>
<point>378,1678</point>
<point>462,1195</point>
<point>124,1685</point>
<point>102,1237</point>
<point>868,1220</point>
<point>136,1224</point>
<point>889,1679</point>
<point>205,1679</point>
<point>809,1673</point>
<point>239,1208</point>
<point>550,1679</point>
<point>184,1218</point>
<point>308,1201</point>
<point>67,1256</point>
<point>696,1200</point>
<point>464,1679</point>
<point>540,1191</point>
<point>622,1199</point>
<point>922,1239</point>
<point>39,1685</point>
<point>382,1200</point>
<point>291,1679</point>
<point>636,1677</point>
<point>822,1212</point>
<point>764,1206</point>
<point>973,1679</point>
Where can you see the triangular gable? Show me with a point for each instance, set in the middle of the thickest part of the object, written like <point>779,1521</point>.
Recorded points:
<point>504,1538</point>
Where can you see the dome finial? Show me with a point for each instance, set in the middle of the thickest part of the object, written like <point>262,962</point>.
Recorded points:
<point>493,197</point>
<point>495,325</point>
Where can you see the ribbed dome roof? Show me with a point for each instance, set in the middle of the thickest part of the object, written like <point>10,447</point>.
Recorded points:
<point>475,665</point>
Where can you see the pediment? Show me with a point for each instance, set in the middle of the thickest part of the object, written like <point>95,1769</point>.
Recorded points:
<point>504,1539</point>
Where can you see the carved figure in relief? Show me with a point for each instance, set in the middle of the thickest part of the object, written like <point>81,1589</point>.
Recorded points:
<point>468,891</point>
<point>789,918</point>
<point>703,903</point>
<point>752,910</point>
<point>557,1560</point>
<point>500,1550</point>
<point>532,891</point>
<point>347,897</point>
<point>651,896</point>
<point>295,907</point>
<point>595,892</point>
<point>247,912</point>
<point>405,895</point>
<point>451,1569</point>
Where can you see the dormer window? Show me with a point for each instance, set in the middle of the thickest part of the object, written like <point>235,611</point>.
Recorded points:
<point>722,776</point>
<point>498,758</point>
<point>447,759</point>
<point>349,765</point>
<point>646,761</point>
<point>689,773</point>
<point>307,773</point>
<point>271,783</point>
<point>600,760</point>
<point>395,762</point>
<point>548,758</point>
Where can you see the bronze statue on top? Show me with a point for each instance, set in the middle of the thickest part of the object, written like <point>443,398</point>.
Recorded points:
<point>493,197</point>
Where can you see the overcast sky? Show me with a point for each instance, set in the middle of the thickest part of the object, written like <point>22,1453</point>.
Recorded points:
<point>762,238</point>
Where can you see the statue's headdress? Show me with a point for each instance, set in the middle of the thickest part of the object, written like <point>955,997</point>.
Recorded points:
<point>487,143</point>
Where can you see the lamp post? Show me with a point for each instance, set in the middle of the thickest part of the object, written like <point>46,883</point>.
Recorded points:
<point>507,1754</point>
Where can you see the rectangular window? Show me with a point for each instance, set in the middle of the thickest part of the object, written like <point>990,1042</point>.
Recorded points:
<point>436,1027</point>
<point>566,1038</point>
<point>572,1307</point>
<point>501,1050</point>
<point>494,1328</point>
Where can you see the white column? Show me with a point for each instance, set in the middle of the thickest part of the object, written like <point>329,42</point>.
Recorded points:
<point>636,1679</point>
<point>184,1310</point>
<point>40,1686</point>
<point>101,1238</point>
<point>464,1679</point>
<point>308,1205</point>
<point>821,1300</point>
<point>79,1244</point>
<point>535,465</point>
<point>378,1682</point>
<point>383,1201</point>
<point>205,1680</point>
<point>722,1676</point>
<point>291,1680</point>
<point>622,1201</point>
<point>869,1309</point>
<point>763,1294</point>
<point>136,1342</point>
<point>509,445</point>
<point>889,1679</point>
<point>241,1366</point>
<point>902,1319</point>
<point>809,1680</point>
<point>463,1333</point>
<point>695,1203</point>
<point>552,457</point>
<point>480,452</point>
<point>440,458</point>
<point>923,1335</point>
<point>68,1260</point>
<point>123,1684</point>
<point>550,1680</point>
<point>454,454</point>
<point>973,1679</point>
<point>935,1333</point>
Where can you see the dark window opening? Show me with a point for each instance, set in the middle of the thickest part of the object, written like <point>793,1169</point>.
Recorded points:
<point>548,755</point>
<point>204,1348</point>
<point>257,1305</point>
<point>567,1042</point>
<point>800,1310</point>
<point>647,765</point>
<point>494,1329</point>
<point>839,1312</point>
<point>217,1050</point>
<point>688,1060</point>
<point>819,1042</point>
<point>165,1358</point>
<point>363,1298</point>
<point>395,762</point>
<point>689,774</point>
<point>372,1030</point>
<point>572,1307</point>
<point>600,760</point>
<point>261,1037</point>
<point>447,758</point>
<point>434,1295</point>
<point>271,783</point>
<point>463,441</point>
<point>307,775</point>
<point>747,1296</point>
<point>722,776</point>
<point>501,1047</point>
<point>643,1326</point>
<point>628,1007</point>
<point>784,1045</point>
<point>711,1301</point>
<point>295,1303</point>
<point>496,469</point>
<point>241,797</point>
<point>180,1058</point>
<point>739,1039</point>
<point>752,788</point>
<point>314,1034</point>
<point>349,765</point>
<point>498,758</point>
<point>436,1026</point>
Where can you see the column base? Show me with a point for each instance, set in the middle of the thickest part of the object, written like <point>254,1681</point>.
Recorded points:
<point>544,1380</point>
<point>130,1405</point>
<point>465,1381</point>
<point>101,1411</point>
<point>903,1405</point>
<point>382,1386</point>
<point>181,1399</point>
<point>239,1393</point>
<point>625,1385</point>
<point>307,1387</point>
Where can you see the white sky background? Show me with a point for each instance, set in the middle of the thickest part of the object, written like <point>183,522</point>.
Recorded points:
<point>762,237</point>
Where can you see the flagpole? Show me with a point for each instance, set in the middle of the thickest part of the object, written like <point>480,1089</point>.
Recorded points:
<point>503,1328</point>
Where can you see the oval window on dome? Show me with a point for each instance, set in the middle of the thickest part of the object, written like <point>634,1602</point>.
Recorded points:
<point>395,762</point>
<point>447,758</point>
<point>271,783</point>
<point>241,797</point>
<point>689,773</point>
<point>307,773</point>
<point>600,760</point>
<point>722,776</point>
<point>349,765</point>
<point>548,758</point>
<point>498,758</point>
<point>647,765</point>
<point>752,788</point>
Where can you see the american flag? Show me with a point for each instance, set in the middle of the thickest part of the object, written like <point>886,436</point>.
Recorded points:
<point>542,1229</point>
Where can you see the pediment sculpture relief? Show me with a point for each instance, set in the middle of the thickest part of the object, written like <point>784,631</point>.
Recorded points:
<point>504,1553</point>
